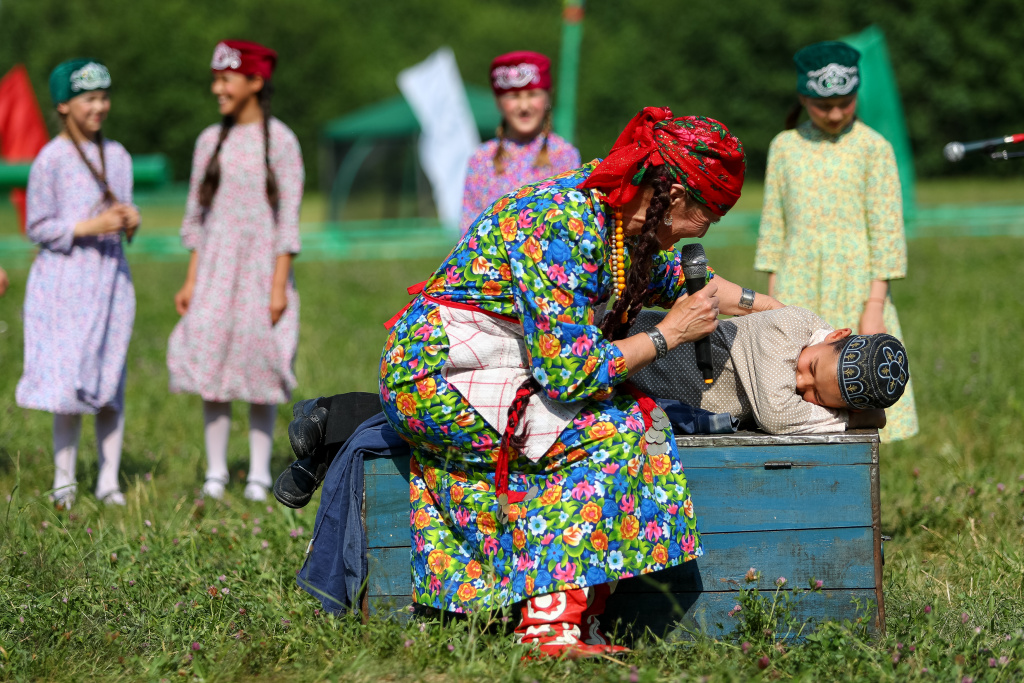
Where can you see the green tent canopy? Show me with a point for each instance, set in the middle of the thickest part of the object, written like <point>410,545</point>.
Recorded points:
<point>370,161</point>
<point>393,118</point>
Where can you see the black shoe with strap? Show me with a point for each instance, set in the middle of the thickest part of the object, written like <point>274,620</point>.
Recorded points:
<point>318,430</point>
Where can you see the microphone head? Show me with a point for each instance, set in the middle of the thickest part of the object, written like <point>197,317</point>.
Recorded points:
<point>954,151</point>
<point>695,262</point>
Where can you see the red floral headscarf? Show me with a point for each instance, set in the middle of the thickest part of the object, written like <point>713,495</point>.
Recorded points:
<point>696,151</point>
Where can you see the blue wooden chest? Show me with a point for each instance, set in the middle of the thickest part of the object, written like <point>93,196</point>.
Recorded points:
<point>798,507</point>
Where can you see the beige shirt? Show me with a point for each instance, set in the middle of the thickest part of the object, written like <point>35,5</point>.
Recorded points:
<point>755,360</point>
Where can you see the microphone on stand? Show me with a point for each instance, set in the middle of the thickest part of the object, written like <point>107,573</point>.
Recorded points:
<point>1004,155</point>
<point>954,151</point>
<point>695,271</point>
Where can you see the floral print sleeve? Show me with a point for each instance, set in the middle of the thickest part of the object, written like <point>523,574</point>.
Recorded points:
<point>771,235</point>
<point>553,239</point>
<point>885,216</point>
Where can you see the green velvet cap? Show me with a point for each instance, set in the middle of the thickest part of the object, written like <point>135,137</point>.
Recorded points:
<point>75,77</point>
<point>827,69</point>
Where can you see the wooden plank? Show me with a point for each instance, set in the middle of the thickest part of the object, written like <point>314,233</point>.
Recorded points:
<point>387,511</point>
<point>725,500</point>
<point>762,439</point>
<point>840,558</point>
<point>796,456</point>
<point>394,466</point>
<point>670,616</point>
<point>390,607</point>
<point>390,572</point>
<point>752,499</point>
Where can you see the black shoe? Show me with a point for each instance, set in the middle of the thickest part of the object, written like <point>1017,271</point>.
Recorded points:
<point>297,484</point>
<point>307,429</point>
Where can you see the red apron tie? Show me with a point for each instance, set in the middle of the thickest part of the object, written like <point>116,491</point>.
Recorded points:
<point>413,291</point>
<point>645,402</point>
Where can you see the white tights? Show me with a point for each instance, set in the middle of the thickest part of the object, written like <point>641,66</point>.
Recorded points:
<point>109,438</point>
<point>217,420</point>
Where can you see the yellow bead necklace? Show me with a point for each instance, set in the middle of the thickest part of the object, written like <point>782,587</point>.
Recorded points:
<point>618,262</point>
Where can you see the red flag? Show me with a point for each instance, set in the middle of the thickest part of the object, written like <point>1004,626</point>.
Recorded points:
<point>22,129</point>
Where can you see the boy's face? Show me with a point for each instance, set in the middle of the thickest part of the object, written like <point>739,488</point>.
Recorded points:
<point>816,368</point>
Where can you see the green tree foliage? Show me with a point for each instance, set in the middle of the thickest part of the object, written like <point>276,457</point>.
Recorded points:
<point>958,64</point>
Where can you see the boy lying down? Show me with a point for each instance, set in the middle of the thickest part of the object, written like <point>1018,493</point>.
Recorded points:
<point>782,368</point>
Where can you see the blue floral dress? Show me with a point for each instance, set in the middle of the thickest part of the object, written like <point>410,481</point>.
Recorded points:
<point>602,506</point>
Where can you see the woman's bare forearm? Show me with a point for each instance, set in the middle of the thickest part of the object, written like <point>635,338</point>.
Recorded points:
<point>729,294</point>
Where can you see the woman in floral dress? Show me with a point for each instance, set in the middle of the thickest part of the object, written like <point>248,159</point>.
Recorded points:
<point>832,224</point>
<point>239,330</point>
<point>525,149</point>
<point>79,300</point>
<point>507,332</point>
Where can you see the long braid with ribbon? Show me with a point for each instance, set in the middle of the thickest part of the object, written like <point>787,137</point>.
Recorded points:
<point>510,440</point>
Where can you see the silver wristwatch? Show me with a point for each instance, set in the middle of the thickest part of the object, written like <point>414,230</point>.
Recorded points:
<point>660,345</point>
<point>747,299</point>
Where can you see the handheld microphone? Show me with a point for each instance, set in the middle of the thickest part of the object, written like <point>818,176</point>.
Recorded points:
<point>695,271</point>
<point>955,151</point>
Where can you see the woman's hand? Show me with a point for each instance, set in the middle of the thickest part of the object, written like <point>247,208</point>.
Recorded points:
<point>131,221</point>
<point>864,419</point>
<point>871,319</point>
<point>278,303</point>
<point>691,317</point>
<point>111,220</point>
<point>184,297</point>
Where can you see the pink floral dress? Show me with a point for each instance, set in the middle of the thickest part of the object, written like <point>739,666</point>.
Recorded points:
<point>79,300</point>
<point>225,347</point>
<point>484,185</point>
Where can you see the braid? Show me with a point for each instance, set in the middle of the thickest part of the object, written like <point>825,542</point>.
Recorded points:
<point>499,153</point>
<point>793,117</point>
<point>510,441</point>
<point>211,177</point>
<point>273,196</point>
<point>99,175</point>
<point>638,277</point>
<point>543,159</point>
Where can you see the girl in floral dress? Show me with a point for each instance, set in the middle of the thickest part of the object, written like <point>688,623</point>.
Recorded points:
<point>832,224</point>
<point>525,150</point>
<point>509,331</point>
<point>240,312</point>
<point>79,300</point>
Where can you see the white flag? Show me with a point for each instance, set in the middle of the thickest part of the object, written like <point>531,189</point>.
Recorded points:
<point>434,90</point>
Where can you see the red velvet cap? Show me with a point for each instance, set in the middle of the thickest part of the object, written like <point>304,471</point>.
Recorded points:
<point>521,70</point>
<point>244,57</point>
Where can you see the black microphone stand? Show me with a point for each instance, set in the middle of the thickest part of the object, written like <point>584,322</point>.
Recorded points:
<point>1004,155</point>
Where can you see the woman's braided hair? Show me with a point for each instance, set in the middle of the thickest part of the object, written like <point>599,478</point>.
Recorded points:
<point>638,279</point>
<point>543,158</point>
<point>98,174</point>
<point>211,178</point>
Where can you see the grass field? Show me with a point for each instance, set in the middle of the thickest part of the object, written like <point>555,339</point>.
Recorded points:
<point>171,588</point>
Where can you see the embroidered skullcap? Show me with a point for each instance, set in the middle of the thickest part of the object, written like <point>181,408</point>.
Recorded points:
<point>248,59</point>
<point>696,151</point>
<point>827,69</point>
<point>521,70</point>
<point>77,76</point>
<point>873,371</point>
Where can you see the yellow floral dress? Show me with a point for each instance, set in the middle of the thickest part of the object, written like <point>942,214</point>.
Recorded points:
<point>832,222</point>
